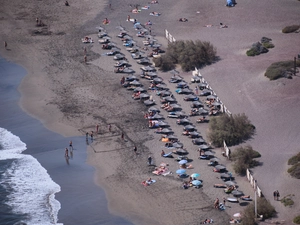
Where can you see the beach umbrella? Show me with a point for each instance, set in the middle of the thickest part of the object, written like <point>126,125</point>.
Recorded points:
<point>175,106</point>
<point>166,131</point>
<point>204,147</point>
<point>202,85</point>
<point>151,74</point>
<point>198,141</point>
<point>214,160</point>
<point>211,97</point>
<point>130,78</point>
<point>169,99</point>
<point>181,162</point>
<point>149,102</point>
<point>196,182</point>
<point>162,124</point>
<point>195,175</point>
<point>156,45</point>
<point>237,193</point>
<point>158,80</point>
<point>135,82</point>
<point>139,89</point>
<point>180,171</point>
<point>230,183</point>
<point>202,111</point>
<point>194,134</point>
<point>177,145</point>
<point>220,167</point>
<point>182,83</point>
<point>144,95</point>
<point>189,127</point>
<point>208,153</point>
<point>157,116</point>
<point>224,175</point>
<point>175,72</point>
<point>181,151</point>
<point>184,120</point>
<point>180,113</point>
<point>153,109</point>
<point>148,68</point>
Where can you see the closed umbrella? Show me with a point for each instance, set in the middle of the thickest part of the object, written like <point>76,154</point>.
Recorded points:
<point>220,167</point>
<point>177,145</point>
<point>230,183</point>
<point>208,153</point>
<point>211,97</point>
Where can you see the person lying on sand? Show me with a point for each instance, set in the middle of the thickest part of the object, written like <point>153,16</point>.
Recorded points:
<point>154,2</point>
<point>183,19</point>
<point>223,25</point>
<point>154,14</point>
<point>105,21</point>
<point>206,221</point>
<point>67,3</point>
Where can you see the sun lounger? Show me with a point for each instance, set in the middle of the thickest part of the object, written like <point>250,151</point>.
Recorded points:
<point>234,200</point>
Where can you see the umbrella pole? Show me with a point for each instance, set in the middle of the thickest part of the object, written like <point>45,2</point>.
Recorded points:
<point>255,204</point>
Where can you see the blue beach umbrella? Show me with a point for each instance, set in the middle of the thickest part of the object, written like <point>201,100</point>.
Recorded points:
<point>196,182</point>
<point>180,171</point>
<point>195,175</point>
<point>181,162</point>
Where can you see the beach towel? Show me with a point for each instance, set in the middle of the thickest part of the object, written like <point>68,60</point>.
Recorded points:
<point>146,7</point>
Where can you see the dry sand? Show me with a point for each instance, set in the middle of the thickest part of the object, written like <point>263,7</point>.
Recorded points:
<point>70,97</point>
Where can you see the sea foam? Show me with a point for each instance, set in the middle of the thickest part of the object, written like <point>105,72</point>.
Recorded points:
<point>33,190</point>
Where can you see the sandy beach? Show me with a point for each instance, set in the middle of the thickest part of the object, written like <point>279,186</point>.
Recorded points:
<point>70,97</point>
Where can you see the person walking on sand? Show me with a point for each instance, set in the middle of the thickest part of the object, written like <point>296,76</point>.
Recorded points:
<point>122,136</point>
<point>135,150</point>
<point>85,59</point>
<point>92,135</point>
<point>37,21</point>
<point>274,195</point>
<point>196,90</point>
<point>86,135</point>
<point>5,44</point>
<point>216,203</point>
<point>277,195</point>
<point>224,201</point>
<point>84,50</point>
<point>71,146</point>
<point>149,160</point>
<point>97,128</point>
<point>67,153</point>
<point>109,127</point>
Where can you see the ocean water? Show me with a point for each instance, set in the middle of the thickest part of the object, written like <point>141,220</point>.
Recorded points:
<point>27,192</point>
<point>38,186</point>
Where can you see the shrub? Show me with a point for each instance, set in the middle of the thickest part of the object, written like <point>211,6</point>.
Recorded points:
<point>233,129</point>
<point>248,216</point>
<point>268,45</point>
<point>252,52</point>
<point>243,158</point>
<point>296,220</point>
<point>290,29</point>
<point>190,54</point>
<point>294,159</point>
<point>263,208</point>
<point>256,49</point>
<point>294,171</point>
<point>279,69</point>
<point>164,62</point>
<point>287,201</point>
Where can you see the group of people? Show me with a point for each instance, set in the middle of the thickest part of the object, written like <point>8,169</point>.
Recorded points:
<point>276,195</point>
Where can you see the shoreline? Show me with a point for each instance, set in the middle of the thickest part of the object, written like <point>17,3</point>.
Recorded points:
<point>63,86</point>
<point>47,145</point>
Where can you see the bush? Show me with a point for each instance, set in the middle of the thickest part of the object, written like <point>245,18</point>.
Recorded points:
<point>233,129</point>
<point>294,171</point>
<point>243,158</point>
<point>248,216</point>
<point>164,62</point>
<point>268,45</point>
<point>287,201</point>
<point>294,159</point>
<point>257,49</point>
<point>263,208</point>
<point>291,29</point>
<point>189,54</point>
<point>280,69</point>
<point>296,220</point>
<point>252,52</point>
